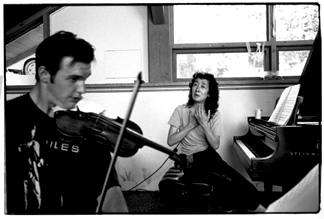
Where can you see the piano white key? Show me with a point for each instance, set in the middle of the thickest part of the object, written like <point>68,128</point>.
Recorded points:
<point>245,149</point>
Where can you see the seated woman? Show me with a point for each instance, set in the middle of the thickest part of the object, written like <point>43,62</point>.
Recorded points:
<point>197,129</point>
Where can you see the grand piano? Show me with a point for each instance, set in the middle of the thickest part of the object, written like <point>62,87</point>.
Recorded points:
<point>283,155</point>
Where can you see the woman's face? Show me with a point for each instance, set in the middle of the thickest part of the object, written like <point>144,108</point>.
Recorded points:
<point>199,90</point>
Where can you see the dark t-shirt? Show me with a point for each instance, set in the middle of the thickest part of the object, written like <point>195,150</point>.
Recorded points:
<point>46,174</point>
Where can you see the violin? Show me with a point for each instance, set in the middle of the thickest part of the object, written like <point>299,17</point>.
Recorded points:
<point>79,126</point>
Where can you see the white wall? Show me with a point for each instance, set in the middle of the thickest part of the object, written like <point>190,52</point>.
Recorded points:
<point>119,35</point>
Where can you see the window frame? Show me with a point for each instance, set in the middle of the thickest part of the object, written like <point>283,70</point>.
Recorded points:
<point>271,47</point>
<point>161,62</point>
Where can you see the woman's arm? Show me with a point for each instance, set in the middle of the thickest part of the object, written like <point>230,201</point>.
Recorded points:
<point>213,140</point>
<point>176,135</point>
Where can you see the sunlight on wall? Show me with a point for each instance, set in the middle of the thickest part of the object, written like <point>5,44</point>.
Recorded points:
<point>110,29</point>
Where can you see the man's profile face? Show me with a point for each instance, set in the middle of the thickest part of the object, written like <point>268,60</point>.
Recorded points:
<point>69,83</point>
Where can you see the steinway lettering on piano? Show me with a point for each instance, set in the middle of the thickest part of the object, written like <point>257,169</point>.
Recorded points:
<point>301,153</point>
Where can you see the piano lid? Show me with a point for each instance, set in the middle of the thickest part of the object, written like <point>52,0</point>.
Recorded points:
<point>311,83</point>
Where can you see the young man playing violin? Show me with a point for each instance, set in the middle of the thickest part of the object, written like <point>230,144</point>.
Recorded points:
<point>45,173</point>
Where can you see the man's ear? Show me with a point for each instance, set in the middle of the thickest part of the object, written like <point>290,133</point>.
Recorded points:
<point>44,75</point>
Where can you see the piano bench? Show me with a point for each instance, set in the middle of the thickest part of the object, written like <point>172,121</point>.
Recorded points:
<point>193,196</point>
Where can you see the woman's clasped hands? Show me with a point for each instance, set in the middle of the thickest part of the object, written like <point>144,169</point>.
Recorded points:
<point>198,116</point>
<point>201,115</point>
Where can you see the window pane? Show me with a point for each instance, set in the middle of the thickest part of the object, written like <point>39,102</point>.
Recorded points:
<point>220,64</point>
<point>219,23</point>
<point>291,63</point>
<point>296,22</point>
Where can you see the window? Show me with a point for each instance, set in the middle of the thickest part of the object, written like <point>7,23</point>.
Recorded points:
<point>292,62</point>
<point>219,64</point>
<point>296,22</point>
<point>22,40</point>
<point>239,41</point>
<point>196,24</point>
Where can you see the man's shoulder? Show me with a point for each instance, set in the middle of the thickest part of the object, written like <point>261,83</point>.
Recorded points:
<point>17,107</point>
<point>17,101</point>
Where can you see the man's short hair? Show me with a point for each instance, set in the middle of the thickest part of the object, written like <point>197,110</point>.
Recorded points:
<point>62,44</point>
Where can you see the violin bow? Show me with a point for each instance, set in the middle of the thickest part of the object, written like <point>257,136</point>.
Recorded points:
<point>118,142</point>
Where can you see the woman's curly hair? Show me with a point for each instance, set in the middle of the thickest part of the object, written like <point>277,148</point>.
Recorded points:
<point>211,102</point>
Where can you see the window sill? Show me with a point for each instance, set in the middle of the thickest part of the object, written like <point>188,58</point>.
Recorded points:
<point>224,84</point>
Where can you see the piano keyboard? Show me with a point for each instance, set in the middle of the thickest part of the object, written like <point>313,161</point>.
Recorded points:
<point>255,147</point>
<point>245,149</point>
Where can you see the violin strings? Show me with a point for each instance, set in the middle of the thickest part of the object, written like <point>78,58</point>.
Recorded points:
<point>99,115</point>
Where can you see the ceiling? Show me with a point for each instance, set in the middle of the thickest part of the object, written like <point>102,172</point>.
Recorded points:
<point>22,45</point>
<point>17,13</point>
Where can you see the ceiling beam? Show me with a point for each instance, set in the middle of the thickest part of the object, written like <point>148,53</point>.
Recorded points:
<point>28,24</point>
<point>21,56</point>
